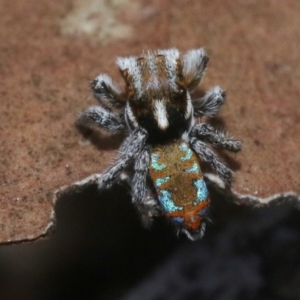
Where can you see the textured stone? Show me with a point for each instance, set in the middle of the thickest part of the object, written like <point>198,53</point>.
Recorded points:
<point>254,55</point>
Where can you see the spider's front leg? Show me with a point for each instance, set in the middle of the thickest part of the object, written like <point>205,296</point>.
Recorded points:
<point>107,93</point>
<point>210,104</point>
<point>194,65</point>
<point>206,155</point>
<point>216,138</point>
<point>129,151</point>
<point>101,117</point>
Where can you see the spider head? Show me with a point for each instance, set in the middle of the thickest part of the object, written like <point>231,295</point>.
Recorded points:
<point>158,99</point>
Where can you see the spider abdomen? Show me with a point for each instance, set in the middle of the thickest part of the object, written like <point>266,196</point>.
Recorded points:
<point>179,184</point>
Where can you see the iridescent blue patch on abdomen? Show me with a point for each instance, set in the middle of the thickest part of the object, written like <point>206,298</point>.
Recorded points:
<point>165,198</point>
<point>185,148</point>
<point>193,169</point>
<point>160,181</point>
<point>156,166</point>
<point>202,192</point>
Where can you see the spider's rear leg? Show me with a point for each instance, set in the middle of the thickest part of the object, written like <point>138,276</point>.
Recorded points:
<point>129,151</point>
<point>210,104</point>
<point>139,182</point>
<point>206,155</point>
<point>142,195</point>
<point>101,117</point>
<point>216,138</point>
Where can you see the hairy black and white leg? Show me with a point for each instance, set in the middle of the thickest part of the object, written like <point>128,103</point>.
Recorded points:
<point>129,151</point>
<point>142,196</point>
<point>210,104</point>
<point>148,209</point>
<point>107,93</point>
<point>101,117</point>
<point>139,182</point>
<point>206,155</point>
<point>216,138</point>
<point>194,65</point>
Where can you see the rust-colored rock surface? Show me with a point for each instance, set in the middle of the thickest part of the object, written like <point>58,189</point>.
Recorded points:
<point>50,51</point>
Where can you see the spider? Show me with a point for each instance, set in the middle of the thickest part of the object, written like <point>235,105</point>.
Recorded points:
<point>164,146</point>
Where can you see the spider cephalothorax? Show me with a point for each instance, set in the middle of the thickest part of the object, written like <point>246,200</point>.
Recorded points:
<point>157,94</point>
<point>164,146</point>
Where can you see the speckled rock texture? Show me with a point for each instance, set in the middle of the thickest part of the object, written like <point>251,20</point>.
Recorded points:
<point>50,51</point>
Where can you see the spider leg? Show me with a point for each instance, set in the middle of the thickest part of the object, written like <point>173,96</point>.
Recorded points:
<point>210,104</point>
<point>148,209</point>
<point>194,65</point>
<point>142,195</point>
<point>205,154</point>
<point>139,182</point>
<point>101,117</point>
<point>107,93</point>
<point>216,138</point>
<point>129,151</point>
